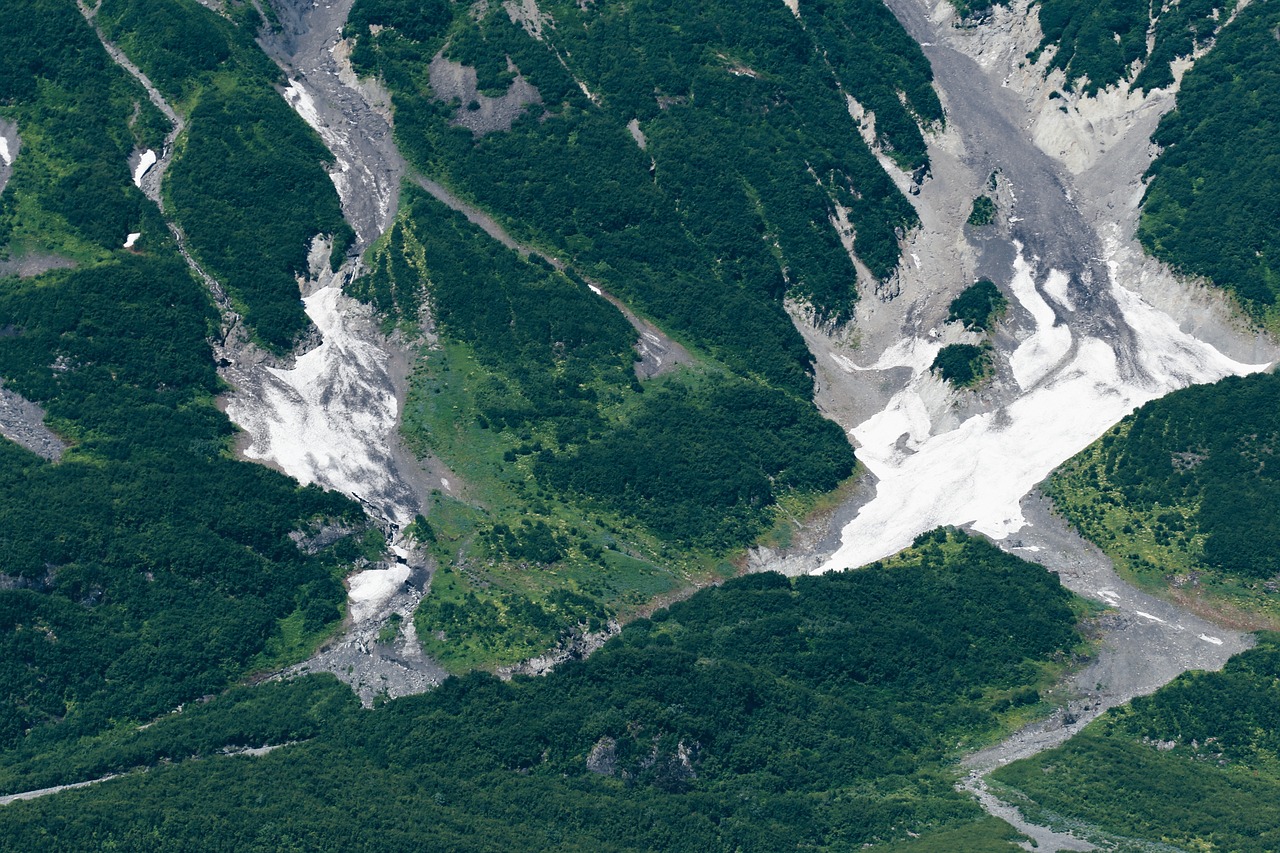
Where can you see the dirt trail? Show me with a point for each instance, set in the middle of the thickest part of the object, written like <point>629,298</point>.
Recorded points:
<point>44,792</point>
<point>658,352</point>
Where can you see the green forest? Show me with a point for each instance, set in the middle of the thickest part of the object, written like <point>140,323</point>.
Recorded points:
<point>748,147</point>
<point>248,183</point>
<point>585,479</point>
<point>978,308</point>
<point>146,568</point>
<point>759,715</point>
<point>1209,207</point>
<point>1100,42</point>
<point>715,207</point>
<point>1192,766</point>
<point>1179,494</point>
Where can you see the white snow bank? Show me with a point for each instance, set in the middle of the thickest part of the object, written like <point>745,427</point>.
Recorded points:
<point>4,151</point>
<point>371,591</point>
<point>1049,344</point>
<point>978,473</point>
<point>302,102</point>
<point>145,162</point>
<point>131,239</point>
<point>329,419</point>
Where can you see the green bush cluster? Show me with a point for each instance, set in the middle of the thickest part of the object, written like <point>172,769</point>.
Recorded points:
<point>963,365</point>
<point>978,306</point>
<point>983,212</point>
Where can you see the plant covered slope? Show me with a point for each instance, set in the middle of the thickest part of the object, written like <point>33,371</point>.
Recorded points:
<point>721,203</point>
<point>532,397</point>
<point>760,715</point>
<point>248,182</point>
<point>1194,765</point>
<point>1105,42</point>
<point>979,306</point>
<point>146,568</point>
<point>1210,208</point>
<point>69,194</point>
<point>1185,490</point>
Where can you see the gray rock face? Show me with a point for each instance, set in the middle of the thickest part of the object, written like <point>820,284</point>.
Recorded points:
<point>22,422</point>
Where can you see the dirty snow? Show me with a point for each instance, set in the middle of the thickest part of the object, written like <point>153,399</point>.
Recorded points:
<point>369,592</point>
<point>329,419</point>
<point>976,473</point>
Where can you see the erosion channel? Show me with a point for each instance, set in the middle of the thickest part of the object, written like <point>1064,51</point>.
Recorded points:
<point>1095,330</point>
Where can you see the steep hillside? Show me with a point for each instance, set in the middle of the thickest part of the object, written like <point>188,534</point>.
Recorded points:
<point>1180,494</point>
<point>755,716</point>
<point>247,183</point>
<point>143,567</point>
<point>699,174</point>
<point>1209,208</point>
<point>1192,766</point>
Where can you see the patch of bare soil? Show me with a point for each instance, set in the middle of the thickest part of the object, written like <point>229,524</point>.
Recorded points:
<point>477,112</point>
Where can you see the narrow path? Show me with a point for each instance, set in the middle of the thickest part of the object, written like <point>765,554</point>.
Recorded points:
<point>658,352</point>
<point>44,792</point>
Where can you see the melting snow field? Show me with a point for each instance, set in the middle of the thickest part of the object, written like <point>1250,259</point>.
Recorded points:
<point>1075,389</point>
<point>329,419</point>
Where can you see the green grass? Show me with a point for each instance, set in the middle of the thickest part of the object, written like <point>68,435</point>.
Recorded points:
<point>1159,548</point>
<point>605,561</point>
<point>989,835</point>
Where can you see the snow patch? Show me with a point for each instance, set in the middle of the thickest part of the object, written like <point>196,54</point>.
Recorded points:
<point>329,419</point>
<point>145,162</point>
<point>1049,344</point>
<point>794,6</point>
<point>4,151</point>
<point>977,473</point>
<point>1217,641</point>
<point>370,591</point>
<point>1057,286</point>
<point>1145,615</point>
<point>131,239</point>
